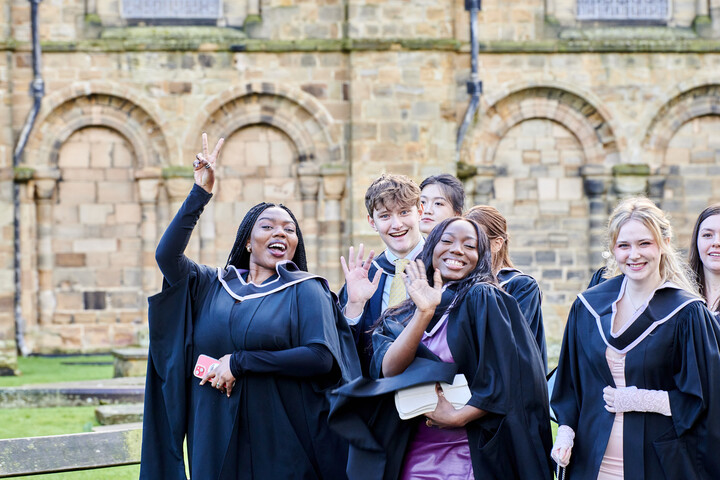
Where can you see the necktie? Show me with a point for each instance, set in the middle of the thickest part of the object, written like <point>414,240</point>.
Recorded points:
<point>397,287</point>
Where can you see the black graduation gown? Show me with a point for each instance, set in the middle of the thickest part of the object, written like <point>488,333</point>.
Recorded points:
<point>493,346</point>
<point>597,277</point>
<point>672,346</point>
<point>525,290</point>
<point>372,311</point>
<point>272,426</point>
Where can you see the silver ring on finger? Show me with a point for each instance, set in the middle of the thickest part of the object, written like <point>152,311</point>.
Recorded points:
<point>207,165</point>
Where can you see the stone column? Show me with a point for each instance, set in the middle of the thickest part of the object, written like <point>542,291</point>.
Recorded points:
<point>178,186</point>
<point>656,189</point>
<point>595,184</point>
<point>309,174</point>
<point>483,186</point>
<point>714,10</point>
<point>148,182</point>
<point>45,183</point>
<point>334,179</point>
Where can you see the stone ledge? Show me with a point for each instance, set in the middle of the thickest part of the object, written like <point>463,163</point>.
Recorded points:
<point>119,414</point>
<point>73,394</point>
<point>575,44</point>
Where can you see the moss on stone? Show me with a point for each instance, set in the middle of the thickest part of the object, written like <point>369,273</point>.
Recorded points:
<point>93,19</point>
<point>178,171</point>
<point>219,39</point>
<point>465,170</point>
<point>631,169</point>
<point>23,174</point>
<point>702,20</point>
<point>251,20</point>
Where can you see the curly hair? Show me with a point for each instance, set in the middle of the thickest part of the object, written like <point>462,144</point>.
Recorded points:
<point>389,190</point>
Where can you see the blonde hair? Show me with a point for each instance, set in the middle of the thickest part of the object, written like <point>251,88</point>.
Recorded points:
<point>673,267</point>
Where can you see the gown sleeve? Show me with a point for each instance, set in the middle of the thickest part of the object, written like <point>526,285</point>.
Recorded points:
<point>170,252</point>
<point>696,370</point>
<point>320,323</point>
<point>492,333</point>
<point>305,361</point>
<point>566,395</point>
<point>526,291</point>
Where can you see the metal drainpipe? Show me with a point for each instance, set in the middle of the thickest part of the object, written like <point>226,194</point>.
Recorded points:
<point>474,85</point>
<point>37,90</point>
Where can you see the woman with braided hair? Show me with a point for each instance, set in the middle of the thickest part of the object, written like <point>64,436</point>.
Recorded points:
<point>261,412</point>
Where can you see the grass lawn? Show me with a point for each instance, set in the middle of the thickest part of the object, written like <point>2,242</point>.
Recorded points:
<point>31,422</point>
<point>59,369</point>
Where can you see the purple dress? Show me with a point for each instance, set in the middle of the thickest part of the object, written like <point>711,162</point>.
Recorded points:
<point>435,453</point>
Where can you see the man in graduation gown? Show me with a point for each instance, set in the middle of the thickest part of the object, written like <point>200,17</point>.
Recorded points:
<point>394,210</point>
<point>671,347</point>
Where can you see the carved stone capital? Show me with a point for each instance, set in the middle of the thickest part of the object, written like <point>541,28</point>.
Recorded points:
<point>45,188</point>
<point>334,179</point>
<point>178,188</point>
<point>309,174</point>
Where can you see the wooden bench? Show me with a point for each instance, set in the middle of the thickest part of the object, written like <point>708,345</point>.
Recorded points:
<point>65,453</point>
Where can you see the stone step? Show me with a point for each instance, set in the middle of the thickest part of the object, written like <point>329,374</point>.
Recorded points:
<point>130,362</point>
<point>115,414</point>
<point>117,427</point>
<point>73,394</point>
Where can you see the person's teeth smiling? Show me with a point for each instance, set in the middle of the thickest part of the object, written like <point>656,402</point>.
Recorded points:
<point>454,263</point>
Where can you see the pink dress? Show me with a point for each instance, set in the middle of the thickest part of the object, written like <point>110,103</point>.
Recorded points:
<point>611,467</point>
<point>434,453</point>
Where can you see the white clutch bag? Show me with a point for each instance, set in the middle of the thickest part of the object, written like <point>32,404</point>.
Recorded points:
<point>413,401</point>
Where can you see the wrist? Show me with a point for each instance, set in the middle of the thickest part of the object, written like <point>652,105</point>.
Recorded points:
<point>354,308</point>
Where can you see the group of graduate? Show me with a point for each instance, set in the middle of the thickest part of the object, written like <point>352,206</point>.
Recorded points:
<point>305,381</point>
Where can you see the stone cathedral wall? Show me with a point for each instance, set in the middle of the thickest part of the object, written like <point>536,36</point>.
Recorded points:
<point>315,99</point>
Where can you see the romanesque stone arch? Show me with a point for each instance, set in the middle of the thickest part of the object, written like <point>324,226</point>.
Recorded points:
<point>92,219</point>
<point>697,102</point>
<point>118,113</point>
<point>682,146</point>
<point>588,123</point>
<point>531,148</point>
<point>311,182</point>
<point>299,115</point>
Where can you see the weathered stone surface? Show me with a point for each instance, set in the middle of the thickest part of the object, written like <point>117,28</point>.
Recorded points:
<point>116,414</point>
<point>130,362</point>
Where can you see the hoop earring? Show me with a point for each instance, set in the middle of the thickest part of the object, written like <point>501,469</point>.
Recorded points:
<point>248,248</point>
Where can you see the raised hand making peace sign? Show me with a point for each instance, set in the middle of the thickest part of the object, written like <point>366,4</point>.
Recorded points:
<point>204,164</point>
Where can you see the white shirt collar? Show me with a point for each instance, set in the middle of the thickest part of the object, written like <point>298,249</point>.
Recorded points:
<point>410,256</point>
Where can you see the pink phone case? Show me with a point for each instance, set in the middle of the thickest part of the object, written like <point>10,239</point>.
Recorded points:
<point>204,364</point>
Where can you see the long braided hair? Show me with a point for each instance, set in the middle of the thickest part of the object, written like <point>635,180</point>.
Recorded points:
<point>239,256</point>
<point>482,272</point>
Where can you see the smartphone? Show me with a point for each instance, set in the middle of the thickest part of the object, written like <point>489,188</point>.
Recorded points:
<point>205,365</point>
